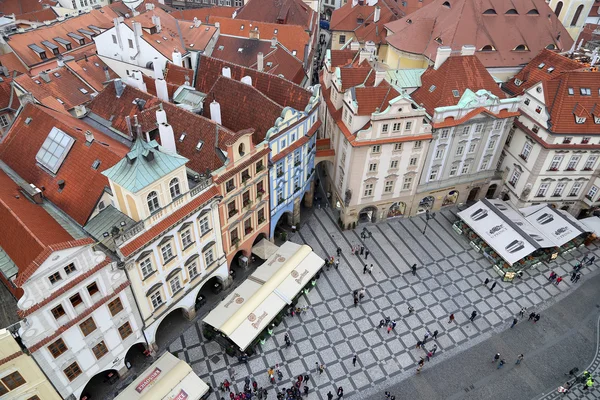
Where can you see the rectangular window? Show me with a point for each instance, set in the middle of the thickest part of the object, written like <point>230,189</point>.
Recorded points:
<point>175,284</point>
<point>484,164</point>
<point>76,300</point>
<point>186,238</point>
<point>397,146</point>
<point>439,153</point>
<point>413,161</point>
<point>209,257</point>
<point>280,198</point>
<point>204,226</point>
<point>279,169</point>
<point>555,164</point>
<point>146,267</point>
<point>394,164</point>
<point>559,189</point>
<point>245,175</point>
<point>397,126</point>
<point>418,144</point>
<point>433,174</point>
<point>526,151</point>
<point>93,289</point>
<point>368,189</point>
<point>69,269</point>
<point>167,252</point>
<point>114,38</point>
<point>376,149</point>
<point>408,126</point>
<point>509,138</point>
<point>478,128</point>
<point>444,134</point>
<point>373,167</point>
<point>233,234</point>
<point>389,187</point>
<point>575,189</point>
<point>261,216</point>
<point>542,190</point>
<point>72,371</point>
<point>407,183</point>
<point>465,130</point>
<point>58,311</point>
<point>343,160</point>
<point>156,299</point>
<point>248,226</point>
<point>472,147</point>
<point>125,330</point>
<point>453,170</point>
<point>246,198</point>
<point>492,144</point>
<point>88,326</point>
<point>115,306</point>
<point>297,160</point>
<point>13,380</point>
<point>57,348</point>
<point>460,150</point>
<point>385,128</point>
<point>589,163</point>
<point>99,350</point>
<point>259,166</point>
<point>592,193</point>
<point>231,210</point>
<point>229,185</point>
<point>573,163</point>
<point>342,39</point>
<point>54,278</point>
<point>130,42</point>
<point>465,169</point>
<point>4,121</point>
<point>193,270</point>
<point>515,178</point>
<point>498,125</point>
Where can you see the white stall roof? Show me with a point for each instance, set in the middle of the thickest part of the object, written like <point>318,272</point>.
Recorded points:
<point>497,232</point>
<point>245,313</point>
<point>555,225</point>
<point>592,224</point>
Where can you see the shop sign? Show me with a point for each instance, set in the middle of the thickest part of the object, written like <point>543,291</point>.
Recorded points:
<point>182,395</point>
<point>148,380</point>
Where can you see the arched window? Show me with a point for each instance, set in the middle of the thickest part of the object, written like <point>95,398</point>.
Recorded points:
<point>577,14</point>
<point>521,47</point>
<point>558,8</point>
<point>551,46</point>
<point>512,11</point>
<point>446,4</point>
<point>174,188</point>
<point>152,200</point>
<point>488,47</point>
<point>490,11</point>
<point>533,11</point>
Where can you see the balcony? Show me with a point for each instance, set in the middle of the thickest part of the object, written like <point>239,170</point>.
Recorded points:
<point>553,169</point>
<point>587,169</point>
<point>491,174</point>
<point>585,141</point>
<point>570,169</point>
<point>523,156</point>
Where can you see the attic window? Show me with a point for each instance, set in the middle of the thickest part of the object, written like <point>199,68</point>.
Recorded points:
<point>551,46</point>
<point>488,47</point>
<point>360,20</point>
<point>54,150</point>
<point>533,11</point>
<point>490,11</point>
<point>550,69</point>
<point>521,47</point>
<point>275,31</point>
<point>542,65</point>
<point>432,88</point>
<point>455,93</point>
<point>96,164</point>
<point>409,21</point>
<point>585,91</point>
<point>518,82</point>
<point>579,120</point>
<point>512,11</point>
<point>241,27</point>
<point>40,52</point>
<point>199,145</point>
<point>446,4</point>
<point>439,40</point>
<point>64,43</point>
<point>82,90</point>
<point>182,137</point>
<point>570,91</point>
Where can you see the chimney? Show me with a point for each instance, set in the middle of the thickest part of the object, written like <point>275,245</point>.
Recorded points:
<point>137,34</point>
<point>59,61</point>
<point>61,185</point>
<point>379,76</point>
<point>197,22</point>
<point>260,61</point>
<point>117,23</point>
<point>467,50</point>
<point>80,111</point>
<point>354,45</point>
<point>215,112</point>
<point>177,60</point>
<point>442,55</point>
<point>254,34</point>
<point>377,14</point>
<point>149,6</point>
<point>161,2</point>
<point>44,76</point>
<point>106,74</point>
<point>354,3</point>
<point>119,87</point>
<point>247,80</point>
<point>158,69</point>
<point>136,80</point>
<point>89,136</point>
<point>167,137</point>
<point>156,22</point>
<point>274,42</point>
<point>161,89</point>
<point>129,130</point>
<point>226,72</point>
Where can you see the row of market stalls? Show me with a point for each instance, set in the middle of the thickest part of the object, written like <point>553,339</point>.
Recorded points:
<point>245,316</point>
<point>515,240</point>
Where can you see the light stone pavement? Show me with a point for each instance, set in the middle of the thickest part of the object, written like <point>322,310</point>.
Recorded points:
<point>449,280</point>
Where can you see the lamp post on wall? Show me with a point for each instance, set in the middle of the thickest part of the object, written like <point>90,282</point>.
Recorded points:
<point>428,216</point>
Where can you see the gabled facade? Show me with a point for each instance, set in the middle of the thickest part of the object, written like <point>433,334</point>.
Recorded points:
<point>551,154</point>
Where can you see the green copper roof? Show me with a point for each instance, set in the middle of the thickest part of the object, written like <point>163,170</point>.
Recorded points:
<point>405,78</point>
<point>144,164</point>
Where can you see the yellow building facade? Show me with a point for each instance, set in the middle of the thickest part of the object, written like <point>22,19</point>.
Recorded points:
<point>572,14</point>
<point>20,376</point>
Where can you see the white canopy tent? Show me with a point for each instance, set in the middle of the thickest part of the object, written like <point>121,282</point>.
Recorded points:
<point>246,312</point>
<point>592,224</point>
<point>264,249</point>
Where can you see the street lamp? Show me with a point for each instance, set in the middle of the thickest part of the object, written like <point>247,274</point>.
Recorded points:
<point>428,216</point>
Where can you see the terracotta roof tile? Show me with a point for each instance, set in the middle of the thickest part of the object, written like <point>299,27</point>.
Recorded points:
<point>290,12</point>
<point>204,13</point>
<point>341,58</point>
<point>12,62</point>
<point>551,63</point>
<point>83,184</point>
<point>24,6</point>
<point>46,14</point>
<point>177,75</point>
<point>91,70</point>
<point>464,23</point>
<point>372,99</point>
<point>169,222</point>
<point>457,73</point>
<point>360,20</point>
<point>355,76</point>
<point>563,106</point>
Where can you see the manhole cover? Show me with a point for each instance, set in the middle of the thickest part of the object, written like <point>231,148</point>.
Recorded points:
<point>215,359</point>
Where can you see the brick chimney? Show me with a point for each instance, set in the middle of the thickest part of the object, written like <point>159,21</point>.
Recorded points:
<point>254,34</point>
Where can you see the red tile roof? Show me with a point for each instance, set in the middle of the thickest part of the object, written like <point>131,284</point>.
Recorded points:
<point>204,13</point>
<point>532,73</point>
<point>290,12</point>
<point>46,14</point>
<point>360,20</point>
<point>151,86</point>
<point>280,90</point>
<point>66,87</point>
<point>292,37</point>
<point>481,23</point>
<point>157,4</point>
<point>169,222</point>
<point>29,234</point>
<point>354,76</point>
<point>238,102</point>
<point>24,6</point>
<point>563,107</point>
<point>456,73</point>
<point>341,58</point>
<point>12,62</point>
<point>8,97</point>
<point>19,42</point>
<point>91,70</point>
<point>177,75</point>
<point>83,184</point>
<point>372,99</point>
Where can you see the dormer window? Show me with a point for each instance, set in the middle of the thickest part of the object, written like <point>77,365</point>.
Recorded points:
<point>360,20</point>
<point>579,120</point>
<point>551,46</point>
<point>533,11</point>
<point>488,47</point>
<point>39,51</point>
<point>512,11</point>
<point>597,119</point>
<point>490,11</point>
<point>439,40</point>
<point>521,47</point>
<point>518,82</point>
<point>446,4</point>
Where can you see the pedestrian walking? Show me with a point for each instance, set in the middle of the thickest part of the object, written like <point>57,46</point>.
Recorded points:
<point>317,365</point>
<point>321,369</point>
<point>473,315</point>
<point>425,337</point>
<point>577,278</point>
<point>487,280</point>
<point>288,342</point>
<point>435,333</point>
<point>493,286</point>
<point>558,280</point>
<point>519,359</point>
<point>421,363</point>
<point>355,301</point>
<point>531,316</point>
<point>573,275</point>
<point>340,392</point>
<point>367,253</point>
<point>501,363</point>
<point>389,328</point>
<point>419,344</point>
<point>536,318</point>
<point>339,252</point>
<point>410,309</point>
<point>371,269</point>
<point>451,318</point>
<point>393,324</point>
<point>306,378</point>
<point>591,260</point>
<point>429,355</point>
<point>414,269</point>
<point>354,361</point>
<point>362,250</point>
<point>552,276</point>
<point>365,269</point>
<point>329,396</point>
<point>496,357</point>
<point>514,322</point>
<point>434,349</point>
<point>279,376</point>
<point>522,312</point>
<point>306,390</point>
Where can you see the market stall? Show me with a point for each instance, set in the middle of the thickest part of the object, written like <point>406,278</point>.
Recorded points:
<point>167,378</point>
<point>244,317</point>
<point>514,240</point>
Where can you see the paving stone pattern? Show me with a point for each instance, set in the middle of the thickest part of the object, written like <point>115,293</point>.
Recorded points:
<point>449,279</point>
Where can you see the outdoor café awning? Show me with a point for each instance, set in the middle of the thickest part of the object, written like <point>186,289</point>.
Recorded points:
<point>592,224</point>
<point>264,249</point>
<point>246,312</point>
<point>167,378</point>
<point>555,225</point>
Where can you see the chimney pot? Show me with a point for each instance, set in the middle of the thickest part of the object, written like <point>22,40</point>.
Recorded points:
<point>119,87</point>
<point>89,136</point>
<point>260,61</point>
<point>215,112</point>
<point>377,14</point>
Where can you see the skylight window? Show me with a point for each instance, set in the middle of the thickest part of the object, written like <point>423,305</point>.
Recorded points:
<point>550,69</point>
<point>571,91</point>
<point>542,65</point>
<point>294,52</point>
<point>182,137</point>
<point>221,47</point>
<point>585,91</point>
<point>60,101</point>
<point>96,164</point>
<point>56,74</point>
<point>275,31</point>
<point>432,88</point>
<point>455,93</point>
<point>82,90</point>
<point>199,145</point>
<point>54,150</point>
